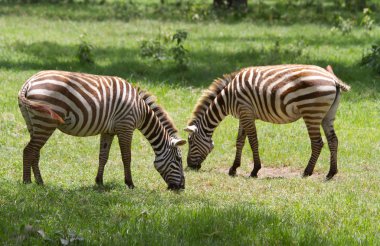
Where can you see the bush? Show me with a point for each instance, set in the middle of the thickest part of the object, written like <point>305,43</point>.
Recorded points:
<point>84,52</point>
<point>179,53</point>
<point>344,25</point>
<point>164,47</point>
<point>152,49</point>
<point>367,20</point>
<point>372,59</point>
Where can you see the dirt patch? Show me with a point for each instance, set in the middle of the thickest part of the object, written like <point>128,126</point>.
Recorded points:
<point>273,173</point>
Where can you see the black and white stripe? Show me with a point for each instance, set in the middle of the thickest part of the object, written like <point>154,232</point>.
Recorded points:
<point>277,94</point>
<point>84,105</point>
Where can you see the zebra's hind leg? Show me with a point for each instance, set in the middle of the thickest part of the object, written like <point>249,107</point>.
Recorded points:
<point>125,139</point>
<point>31,154</point>
<point>248,123</point>
<point>239,148</point>
<point>332,139</point>
<point>313,127</point>
<point>105,145</point>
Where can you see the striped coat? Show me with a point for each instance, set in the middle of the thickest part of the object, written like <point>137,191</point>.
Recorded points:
<point>85,105</point>
<point>277,94</point>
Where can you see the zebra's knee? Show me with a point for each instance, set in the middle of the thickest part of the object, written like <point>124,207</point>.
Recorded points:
<point>31,151</point>
<point>318,143</point>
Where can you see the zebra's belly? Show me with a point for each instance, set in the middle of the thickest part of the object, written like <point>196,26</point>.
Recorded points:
<point>282,120</point>
<point>280,114</point>
<point>76,133</point>
<point>82,128</point>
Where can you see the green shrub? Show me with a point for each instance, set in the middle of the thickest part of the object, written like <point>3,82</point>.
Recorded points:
<point>372,59</point>
<point>367,20</point>
<point>178,52</point>
<point>84,52</point>
<point>164,47</point>
<point>153,49</point>
<point>344,25</point>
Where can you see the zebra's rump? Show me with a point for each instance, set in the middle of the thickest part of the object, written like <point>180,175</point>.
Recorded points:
<point>86,104</point>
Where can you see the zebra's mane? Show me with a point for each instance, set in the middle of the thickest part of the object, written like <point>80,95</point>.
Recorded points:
<point>161,114</point>
<point>209,95</point>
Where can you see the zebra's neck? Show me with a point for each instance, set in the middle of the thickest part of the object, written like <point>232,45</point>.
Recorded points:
<point>154,131</point>
<point>215,113</point>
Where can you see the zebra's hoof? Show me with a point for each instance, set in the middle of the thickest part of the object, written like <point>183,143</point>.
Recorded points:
<point>27,181</point>
<point>232,172</point>
<point>131,186</point>
<point>40,182</point>
<point>99,181</point>
<point>306,174</point>
<point>330,175</point>
<point>253,175</point>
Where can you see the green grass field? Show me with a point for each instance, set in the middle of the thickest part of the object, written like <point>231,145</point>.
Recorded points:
<point>278,208</point>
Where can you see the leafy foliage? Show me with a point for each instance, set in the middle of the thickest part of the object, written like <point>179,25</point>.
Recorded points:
<point>152,49</point>
<point>179,53</point>
<point>344,25</point>
<point>84,52</point>
<point>367,20</point>
<point>372,59</point>
<point>162,48</point>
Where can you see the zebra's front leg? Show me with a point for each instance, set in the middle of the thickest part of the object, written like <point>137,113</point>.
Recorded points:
<point>125,139</point>
<point>313,128</point>
<point>105,146</point>
<point>249,126</point>
<point>239,148</point>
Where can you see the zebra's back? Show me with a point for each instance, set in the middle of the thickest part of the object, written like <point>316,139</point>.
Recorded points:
<point>88,104</point>
<point>285,93</point>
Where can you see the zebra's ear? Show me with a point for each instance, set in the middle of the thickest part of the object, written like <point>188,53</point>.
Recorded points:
<point>329,69</point>
<point>212,145</point>
<point>191,128</point>
<point>177,142</point>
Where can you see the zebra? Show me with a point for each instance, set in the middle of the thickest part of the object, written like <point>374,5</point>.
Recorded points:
<point>277,94</point>
<point>81,104</point>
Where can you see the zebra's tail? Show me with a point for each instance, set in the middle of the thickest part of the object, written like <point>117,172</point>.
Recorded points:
<point>339,82</point>
<point>37,106</point>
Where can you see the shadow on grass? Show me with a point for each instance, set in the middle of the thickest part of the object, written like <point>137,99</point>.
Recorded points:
<point>141,216</point>
<point>204,66</point>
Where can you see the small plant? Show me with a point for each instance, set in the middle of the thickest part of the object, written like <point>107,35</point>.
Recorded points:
<point>84,52</point>
<point>372,59</point>
<point>293,53</point>
<point>367,20</point>
<point>344,25</point>
<point>152,49</point>
<point>179,53</point>
<point>165,48</point>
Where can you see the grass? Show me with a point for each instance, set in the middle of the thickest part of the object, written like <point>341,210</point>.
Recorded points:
<point>214,209</point>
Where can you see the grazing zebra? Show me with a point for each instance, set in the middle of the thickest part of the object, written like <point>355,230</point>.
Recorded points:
<point>277,94</point>
<point>85,105</point>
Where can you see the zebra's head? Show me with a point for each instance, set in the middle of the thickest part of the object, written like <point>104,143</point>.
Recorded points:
<point>169,164</point>
<point>200,145</point>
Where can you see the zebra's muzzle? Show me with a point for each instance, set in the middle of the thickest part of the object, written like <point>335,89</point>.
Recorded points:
<point>194,167</point>
<point>176,187</point>
<point>194,164</point>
